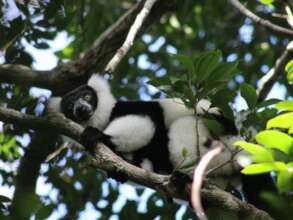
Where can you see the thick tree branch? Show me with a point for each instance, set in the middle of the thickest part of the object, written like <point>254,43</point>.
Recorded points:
<point>276,28</point>
<point>12,73</point>
<point>67,76</point>
<point>105,159</point>
<point>96,57</point>
<point>267,82</point>
<point>56,123</point>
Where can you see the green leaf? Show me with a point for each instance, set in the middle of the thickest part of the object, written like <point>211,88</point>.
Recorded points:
<point>1,137</point>
<point>184,152</point>
<point>282,121</point>
<point>285,105</point>
<point>267,103</point>
<point>289,70</point>
<point>260,154</point>
<point>223,72</point>
<point>275,139</point>
<point>289,66</point>
<point>267,2</point>
<point>214,127</point>
<point>206,63</point>
<point>285,181</point>
<point>263,168</point>
<point>249,94</point>
<point>162,83</point>
<point>187,62</point>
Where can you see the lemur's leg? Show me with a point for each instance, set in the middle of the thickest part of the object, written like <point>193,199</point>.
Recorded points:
<point>130,133</point>
<point>125,134</point>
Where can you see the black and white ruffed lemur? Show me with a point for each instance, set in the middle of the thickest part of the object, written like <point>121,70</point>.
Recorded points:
<point>153,134</point>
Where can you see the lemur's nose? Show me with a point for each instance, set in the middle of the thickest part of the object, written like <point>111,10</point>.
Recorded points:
<point>83,110</point>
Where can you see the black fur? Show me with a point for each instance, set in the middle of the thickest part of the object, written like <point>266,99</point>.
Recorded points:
<point>91,136</point>
<point>180,180</point>
<point>253,185</point>
<point>229,125</point>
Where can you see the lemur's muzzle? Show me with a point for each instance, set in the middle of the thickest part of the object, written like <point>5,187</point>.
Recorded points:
<point>82,110</point>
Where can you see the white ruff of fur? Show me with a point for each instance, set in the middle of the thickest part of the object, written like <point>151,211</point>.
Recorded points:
<point>106,102</point>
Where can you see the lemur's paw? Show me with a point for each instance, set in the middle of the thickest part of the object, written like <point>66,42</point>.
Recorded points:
<point>90,137</point>
<point>181,180</point>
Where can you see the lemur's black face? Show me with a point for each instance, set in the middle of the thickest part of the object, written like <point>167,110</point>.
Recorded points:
<point>79,105</point>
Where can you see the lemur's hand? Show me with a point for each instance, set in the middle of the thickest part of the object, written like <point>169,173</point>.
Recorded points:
<point>90,137</point>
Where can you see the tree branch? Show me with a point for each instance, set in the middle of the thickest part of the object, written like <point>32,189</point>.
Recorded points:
<point>267,82</point>
<point>276,28</point>
<point>104,48</point>
<point>121,52</point>
<point>68,76</point>
<point>105,159</point>
<point>13,73</point>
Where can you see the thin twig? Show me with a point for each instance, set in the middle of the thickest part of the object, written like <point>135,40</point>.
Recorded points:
<point>278,15</point>
<point>111,66</point>
<point>289,15</point>
<point>198,177</point>
<point>237,4</point>
<point>267,82</point>
<point>230,160</point>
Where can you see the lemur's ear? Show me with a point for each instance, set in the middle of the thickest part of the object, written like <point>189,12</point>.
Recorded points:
<point>54,105</point>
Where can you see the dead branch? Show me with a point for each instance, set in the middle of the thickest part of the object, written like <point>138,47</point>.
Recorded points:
<point>267,82</point>
<point>258,20</point>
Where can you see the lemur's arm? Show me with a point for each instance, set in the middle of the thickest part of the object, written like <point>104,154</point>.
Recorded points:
<point>124,134</point>
<point>92,136</point>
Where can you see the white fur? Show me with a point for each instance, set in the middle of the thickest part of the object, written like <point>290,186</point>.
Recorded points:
<point>175,108</point>
<point>182,135</point>
<point>204,106</point>
<point>147,165</point>
<point>54,104</point>
<point>106,102</point>
<point>131,132</point>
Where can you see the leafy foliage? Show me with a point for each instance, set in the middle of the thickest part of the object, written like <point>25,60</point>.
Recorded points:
<point>204,76</point>
<point>274,151</point>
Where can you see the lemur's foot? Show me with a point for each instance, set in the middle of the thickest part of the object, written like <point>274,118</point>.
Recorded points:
<point>90,137</point>
<point>181,180</point>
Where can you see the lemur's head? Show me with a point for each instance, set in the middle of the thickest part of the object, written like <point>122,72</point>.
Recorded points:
<point>79,105</point>
<point>89,104</point>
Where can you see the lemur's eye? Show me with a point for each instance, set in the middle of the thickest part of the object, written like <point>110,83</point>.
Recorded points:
<point>87,97</point>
